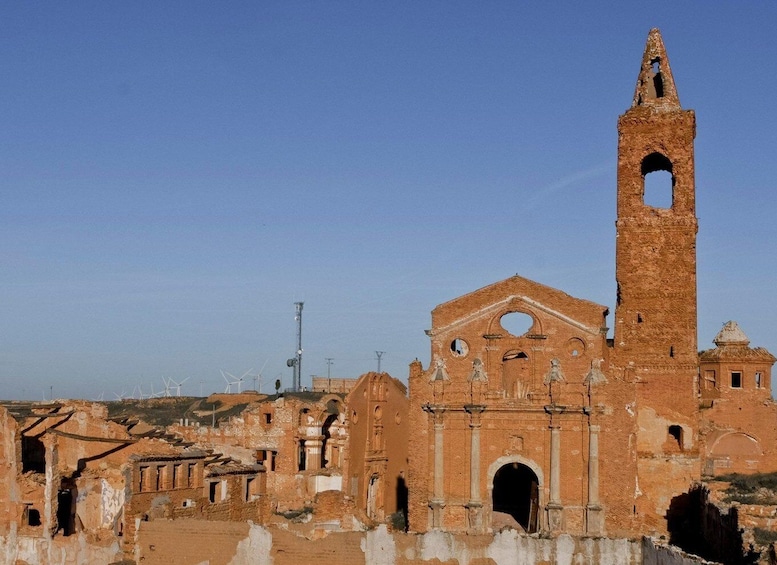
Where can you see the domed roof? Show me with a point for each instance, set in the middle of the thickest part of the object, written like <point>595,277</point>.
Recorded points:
<point>731,334</point>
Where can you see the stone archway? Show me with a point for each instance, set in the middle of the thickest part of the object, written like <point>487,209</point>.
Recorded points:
<point>515,486</point>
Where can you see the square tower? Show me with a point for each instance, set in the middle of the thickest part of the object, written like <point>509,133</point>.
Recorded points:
<point>655,343</point>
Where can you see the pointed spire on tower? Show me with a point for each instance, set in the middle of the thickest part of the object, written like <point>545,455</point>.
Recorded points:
<point>655,85</point>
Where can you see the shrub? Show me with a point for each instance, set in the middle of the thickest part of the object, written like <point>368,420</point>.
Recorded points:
<point>398,522</point>
<point>763,536</point>
<point>296,514</point>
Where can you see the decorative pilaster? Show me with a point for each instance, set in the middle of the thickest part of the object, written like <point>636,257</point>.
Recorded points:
<point>593,510</point>
<point>475,504</point>
<point>437,503</point>
<point>555,508</point>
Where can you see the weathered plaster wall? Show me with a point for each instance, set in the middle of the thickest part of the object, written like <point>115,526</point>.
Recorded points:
<point>230,545</point>
<point>77,549</point>
<point>193,542</point>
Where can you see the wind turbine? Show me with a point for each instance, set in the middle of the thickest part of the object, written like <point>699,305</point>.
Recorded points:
<point>178,385</point>
<point>228,388</point>
<point>258,377</point>
<point>235,380</point>
<point>167,382</point>
<point>154,394</point>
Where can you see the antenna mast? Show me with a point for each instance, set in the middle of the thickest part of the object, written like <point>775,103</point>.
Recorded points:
<point>378,355</point>
<point>298,364</point>
<point>329,361</point>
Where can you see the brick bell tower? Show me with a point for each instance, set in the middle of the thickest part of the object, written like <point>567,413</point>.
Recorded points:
<point>655,343</point>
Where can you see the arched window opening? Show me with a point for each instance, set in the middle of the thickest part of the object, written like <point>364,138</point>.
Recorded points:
<point>516,323</point>
<point>327,459</point>
<point>515,498</point>
<point>516,374</point>
<point>658,80</point>
<point>658,181</point>
<point>333,406</point>
<point>575,347</point>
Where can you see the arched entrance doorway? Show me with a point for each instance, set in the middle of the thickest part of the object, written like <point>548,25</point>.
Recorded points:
<point>516,492</point>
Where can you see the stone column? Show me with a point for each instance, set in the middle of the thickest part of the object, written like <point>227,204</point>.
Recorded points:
<point>593,510</point>
<point>437,503</point>
<point>51,488</point>
<point>555,508</point>
<point>475,504</point>
<point>313,452</point>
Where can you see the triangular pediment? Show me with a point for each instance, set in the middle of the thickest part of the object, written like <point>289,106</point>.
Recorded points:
<point>519,294</point>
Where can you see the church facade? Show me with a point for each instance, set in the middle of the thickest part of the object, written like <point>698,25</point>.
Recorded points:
<point>529,416</point>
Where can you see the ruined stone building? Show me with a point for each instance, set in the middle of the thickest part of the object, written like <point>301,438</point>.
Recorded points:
<point>550,426</point>
<point>351,446</point>
<point>379,429</point>
<point>528,418</point>
<point>299,438</point>
<point>739,416</point>
<point>69,469</point>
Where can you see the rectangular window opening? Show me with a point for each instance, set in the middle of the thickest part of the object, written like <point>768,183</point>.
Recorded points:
<point>143,479</point>
<point>736,379</point>
<point>250,488</point>
<point>301,456</point>
<point>709,379</point>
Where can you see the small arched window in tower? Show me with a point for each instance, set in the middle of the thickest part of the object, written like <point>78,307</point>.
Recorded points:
<point>671,351</point>
<point>639,318</point>
<point>675,437</point>
<point>658,80</point>
<point>657,181</point>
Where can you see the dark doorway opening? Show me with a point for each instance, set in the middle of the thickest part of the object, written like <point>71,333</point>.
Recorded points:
<point>65,512</point>
<point>33,455</point>
<point>516,492</point>
<point>326,457</point>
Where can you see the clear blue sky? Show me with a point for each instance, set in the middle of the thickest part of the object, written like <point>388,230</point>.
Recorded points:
<point>175,175</point>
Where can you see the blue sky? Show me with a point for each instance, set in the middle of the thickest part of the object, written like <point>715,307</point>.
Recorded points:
<point>176,175</point>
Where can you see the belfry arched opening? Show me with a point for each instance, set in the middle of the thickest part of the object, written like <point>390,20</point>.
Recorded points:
<point>516,492</point>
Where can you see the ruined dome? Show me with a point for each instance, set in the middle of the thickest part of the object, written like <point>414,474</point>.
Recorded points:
<point>731,334</point>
